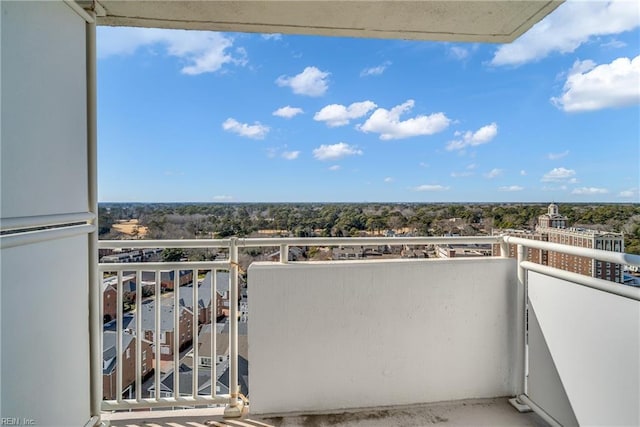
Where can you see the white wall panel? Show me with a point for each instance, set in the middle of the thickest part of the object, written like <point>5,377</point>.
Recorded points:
<point>332,335</point>
<point>594,340</point>
<point>544,386</point>
<point>43,154</point>
<point>44,332</point>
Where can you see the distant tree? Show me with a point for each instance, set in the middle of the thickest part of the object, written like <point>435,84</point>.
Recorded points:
<point>172,254</point>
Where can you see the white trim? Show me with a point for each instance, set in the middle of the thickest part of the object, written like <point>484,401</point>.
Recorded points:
<point>80,11</point>
<point>30,237</point>
<point>16,223</point>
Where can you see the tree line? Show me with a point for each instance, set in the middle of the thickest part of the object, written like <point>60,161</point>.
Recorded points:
<point>220,220</point>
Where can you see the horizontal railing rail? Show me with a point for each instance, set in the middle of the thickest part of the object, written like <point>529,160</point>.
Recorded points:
<point>598,254</point>
<point>588,281</point>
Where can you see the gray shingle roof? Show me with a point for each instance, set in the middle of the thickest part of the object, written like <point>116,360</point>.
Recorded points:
<point>204,290</point>
<point>109,349</point>
<point>148,313</point>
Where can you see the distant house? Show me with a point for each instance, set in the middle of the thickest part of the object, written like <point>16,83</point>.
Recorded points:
<point>110,294</point>
<point>205,306</point>
<point>166,278</point>
<point>109,364</point>
<point>125,256</point>
<point>205,357</point>
<point>109,302</point>
<point>148,326</point>
<point>463,250</point>
<point>348,252</point>
<point>185,374</point>
<point>204,380</point>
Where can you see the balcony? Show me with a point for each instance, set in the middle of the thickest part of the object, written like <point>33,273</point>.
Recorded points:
<point>360,342</point>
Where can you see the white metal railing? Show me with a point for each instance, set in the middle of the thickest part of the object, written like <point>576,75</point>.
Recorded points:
<point>524,266</point>
<point>231,263</point>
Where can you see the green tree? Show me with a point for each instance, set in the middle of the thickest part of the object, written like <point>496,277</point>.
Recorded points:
<point>172,254</point>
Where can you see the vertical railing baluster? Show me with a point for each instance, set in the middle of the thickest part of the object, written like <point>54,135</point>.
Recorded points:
<point>213,318</point>
<point>156,335</point>
<point>194,333</point>
<point>119,320</point>
<point>521,296</point>
<point>176,334</point>
<point>138,365</point>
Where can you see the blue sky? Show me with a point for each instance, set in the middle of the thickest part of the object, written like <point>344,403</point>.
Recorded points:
<point>227,117</point>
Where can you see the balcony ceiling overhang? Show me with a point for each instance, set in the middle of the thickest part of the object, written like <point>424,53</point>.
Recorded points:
<point>465,21</point>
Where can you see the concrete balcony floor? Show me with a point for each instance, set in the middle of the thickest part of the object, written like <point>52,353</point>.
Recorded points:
<point>476,412</point>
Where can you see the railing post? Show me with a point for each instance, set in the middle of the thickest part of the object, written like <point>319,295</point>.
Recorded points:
<point>504,247</point>
<point>94,277</point>
<point>235,406</point>
<point>521,332</point>
<point>284,254</point>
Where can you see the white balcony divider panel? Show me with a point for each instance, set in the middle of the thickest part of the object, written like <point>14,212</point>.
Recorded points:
<point>44,103</point>
<point>44,181</point>
<point>594,340</point>
<point>332,335</point>
<point>543,379</point>
<point>45,336</point>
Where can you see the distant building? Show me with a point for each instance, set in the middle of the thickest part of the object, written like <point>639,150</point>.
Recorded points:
<point>128,359</point>
<point>552,219</point>
<point>552,227</point>
<point>463,250</point>
<point>586,238</point>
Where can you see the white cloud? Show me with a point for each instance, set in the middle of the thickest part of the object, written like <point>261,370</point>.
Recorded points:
<point>511,188</point>
<point>290,155</point>
<point>223,198</point>
<point>310,82</point>
<point>493,173</point>
<point>615,44</point>
<point>274,36</point>
<point>200,51</point>
<point>255,131</point>
<point>288,112</point>
<point>461,174</point>
<point>558,174</point>
<point>568,27</point>
<point>554,188</point>
<point>388,179</point>
<point>430,187</point>
<point>338,115</point>
<point>628,193</point>
<point>556,156</point>
<point>387,123</point>
<point>590,87</point>
<point>334,168</point>
<point>471,139</point>
<point>458,52</point>
<point>523,172</point>
<point>375,71</point>
<point>423,164</point>
<point>335,151</point>
<point>589,191</point>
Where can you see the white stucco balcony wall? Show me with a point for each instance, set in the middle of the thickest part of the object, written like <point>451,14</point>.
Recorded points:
<point>324,336</point>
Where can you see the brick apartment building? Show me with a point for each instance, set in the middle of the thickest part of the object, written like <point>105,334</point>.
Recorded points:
<point>552,227</point>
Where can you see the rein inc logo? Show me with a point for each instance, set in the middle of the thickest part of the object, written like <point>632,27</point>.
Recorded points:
<point>16,421</point>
